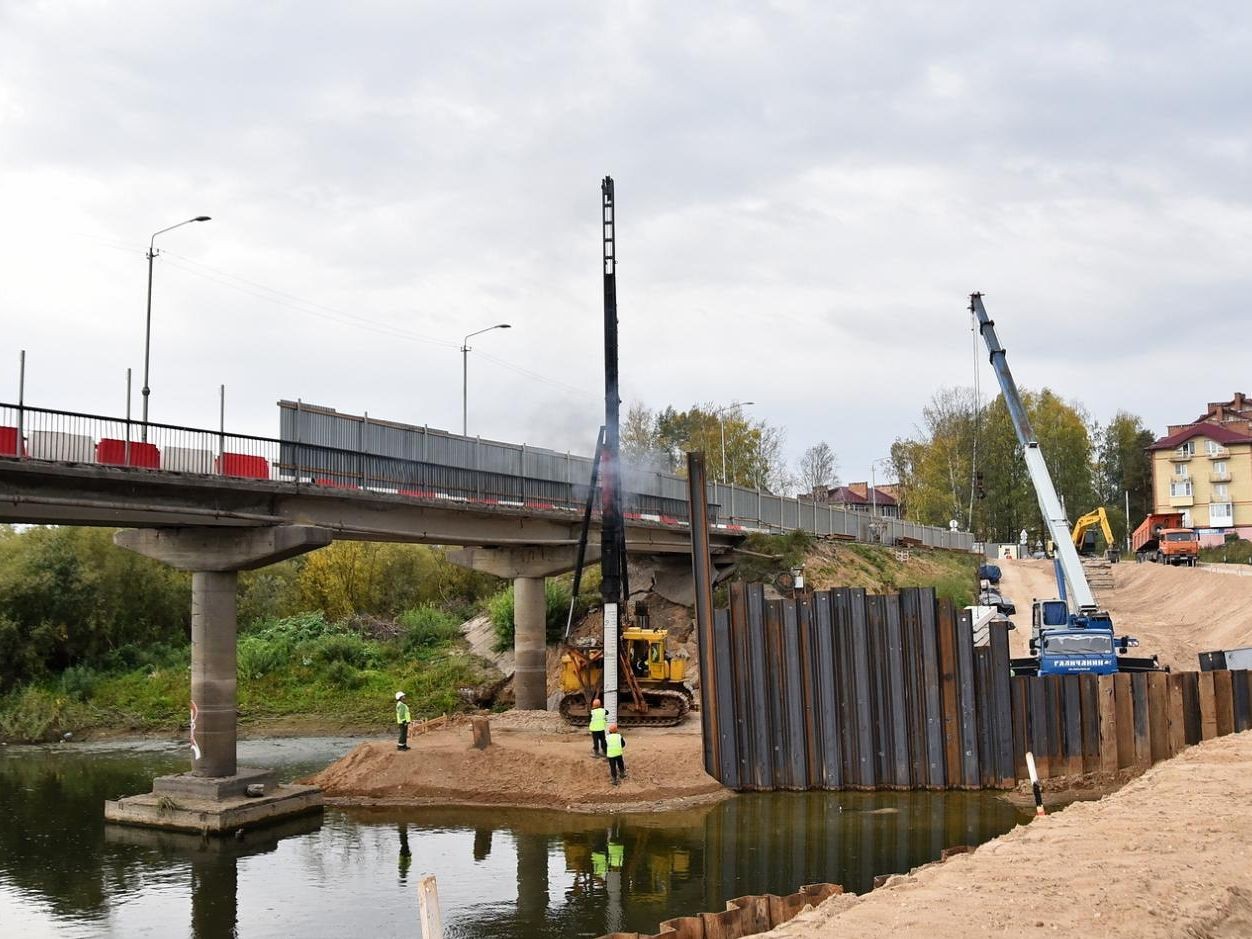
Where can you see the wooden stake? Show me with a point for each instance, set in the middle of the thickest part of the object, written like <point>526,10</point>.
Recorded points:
<point>482,732</point>
<point>428,908</point>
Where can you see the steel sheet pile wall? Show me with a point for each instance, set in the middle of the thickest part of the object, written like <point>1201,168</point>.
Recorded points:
<point>1076,724</point>
<point>743,916</point>
<point>842,690</point>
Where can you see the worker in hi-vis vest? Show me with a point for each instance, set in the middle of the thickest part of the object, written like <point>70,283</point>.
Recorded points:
<point>614,744</point>
<point>402,718</point>
<point>599,723</point>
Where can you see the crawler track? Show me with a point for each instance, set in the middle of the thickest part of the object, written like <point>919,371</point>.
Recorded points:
<point>666,708</point>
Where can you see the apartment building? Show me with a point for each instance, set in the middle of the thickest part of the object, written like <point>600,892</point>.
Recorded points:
<point>1204,470</point>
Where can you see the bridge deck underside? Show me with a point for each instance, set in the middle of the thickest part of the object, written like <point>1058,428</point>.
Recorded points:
<point>43,493</point>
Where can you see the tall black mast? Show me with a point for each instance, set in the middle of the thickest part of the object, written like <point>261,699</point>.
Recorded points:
<point>612,530</point>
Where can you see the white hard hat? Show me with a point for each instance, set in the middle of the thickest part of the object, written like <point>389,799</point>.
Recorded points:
<point>399,695</point>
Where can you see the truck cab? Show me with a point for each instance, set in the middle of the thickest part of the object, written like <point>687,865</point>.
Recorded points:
<point>1074,644</point>
<point>1178,546</point>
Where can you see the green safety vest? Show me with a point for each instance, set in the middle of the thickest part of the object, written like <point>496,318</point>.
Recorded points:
<point>599,863</point>
<point>402,713</point>
<point>599,719</point>
<point>614,744</point>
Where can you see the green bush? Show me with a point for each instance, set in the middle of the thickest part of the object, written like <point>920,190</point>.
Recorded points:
<point>258,656</point>
<point>38,714</point>
<point>78,682</point>
<point>426,627</point>
<point>342,674</point>
<point>295,630</point>
<point>156,655</point>
<point>1233,551</point>
<point>556,603</point>
<point>344,647</point>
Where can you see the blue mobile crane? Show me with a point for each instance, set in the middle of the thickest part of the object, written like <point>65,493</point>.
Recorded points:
<point>1070,634</point>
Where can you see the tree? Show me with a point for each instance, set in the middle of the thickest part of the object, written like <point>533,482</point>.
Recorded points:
<point>819,468</point>
<point>936,469</point>
<point>753,449</point>
<point>638,434</point>
<point>1123,466</point>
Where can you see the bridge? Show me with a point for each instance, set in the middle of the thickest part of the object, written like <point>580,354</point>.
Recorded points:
<point>215,503</point>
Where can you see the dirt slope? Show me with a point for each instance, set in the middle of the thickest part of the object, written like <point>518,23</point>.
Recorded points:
<point>534,760</point>
<point>1175,612</point>
<point>1168,855</point>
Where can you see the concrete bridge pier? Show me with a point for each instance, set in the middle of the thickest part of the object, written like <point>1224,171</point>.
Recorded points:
<point>213,795</point>
<point>528,567</point>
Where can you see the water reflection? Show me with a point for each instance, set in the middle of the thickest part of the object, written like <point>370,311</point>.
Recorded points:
<point>406,855</point>
<point>213,863</point>
<point>501,873</point>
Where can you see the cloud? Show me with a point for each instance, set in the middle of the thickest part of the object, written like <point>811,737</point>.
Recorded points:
<point>807,193</point>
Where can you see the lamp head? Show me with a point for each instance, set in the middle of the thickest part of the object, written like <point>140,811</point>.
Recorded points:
<point>202,218</point>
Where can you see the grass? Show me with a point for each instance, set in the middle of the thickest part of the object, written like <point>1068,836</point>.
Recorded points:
<point>1235,551</point>
<point>302,667</point>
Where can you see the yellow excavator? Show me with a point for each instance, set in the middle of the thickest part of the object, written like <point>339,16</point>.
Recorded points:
<point>653,690</point>
<point>1085,534</point>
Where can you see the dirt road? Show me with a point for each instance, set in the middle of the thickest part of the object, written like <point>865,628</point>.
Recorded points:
<point>1175,612</point>
<point>1170,854</point>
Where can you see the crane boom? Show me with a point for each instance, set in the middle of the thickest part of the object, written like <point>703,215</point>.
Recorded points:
<point>1049,504</point>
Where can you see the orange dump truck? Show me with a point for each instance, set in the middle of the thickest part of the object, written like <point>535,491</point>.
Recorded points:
<point>1163,539</point>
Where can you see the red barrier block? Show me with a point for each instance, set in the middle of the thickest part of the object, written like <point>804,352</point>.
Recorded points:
<point>113,452</point>
<point>242,465</point>
<point>335,484</point>
<point>8,442</point>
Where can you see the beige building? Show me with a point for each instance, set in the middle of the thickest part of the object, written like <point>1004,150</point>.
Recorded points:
<point>1204,470</point>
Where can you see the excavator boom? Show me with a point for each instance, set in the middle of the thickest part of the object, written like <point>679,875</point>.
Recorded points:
<point>1086,522</point>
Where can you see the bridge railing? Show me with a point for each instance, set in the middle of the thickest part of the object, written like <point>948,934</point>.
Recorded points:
<point>542,480</point>
<point>72,437</point>
<point>736,506</point>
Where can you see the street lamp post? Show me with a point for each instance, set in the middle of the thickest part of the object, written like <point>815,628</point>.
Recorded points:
<point>147,329</point>
<point>465,374</point>
<point>722,423</point>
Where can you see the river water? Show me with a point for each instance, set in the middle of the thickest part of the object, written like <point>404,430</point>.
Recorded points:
<point>520,874</point>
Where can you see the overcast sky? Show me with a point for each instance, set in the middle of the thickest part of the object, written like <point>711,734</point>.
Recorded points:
<point>807,193</point>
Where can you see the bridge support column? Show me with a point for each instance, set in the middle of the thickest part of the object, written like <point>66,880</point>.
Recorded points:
<point>530,644</point>
<point>216,783</point>
<point>213,672</point>
<point>527,567</point>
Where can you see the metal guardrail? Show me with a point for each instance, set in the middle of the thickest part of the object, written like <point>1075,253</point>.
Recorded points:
<point>70,437</point>
<point>424,463</point>
<point>736,506</point>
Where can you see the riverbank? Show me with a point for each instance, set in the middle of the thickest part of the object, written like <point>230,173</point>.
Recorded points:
<point>1169,854</point>
<point>535,761</point>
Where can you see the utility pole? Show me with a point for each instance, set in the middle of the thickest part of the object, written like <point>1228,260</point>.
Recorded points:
<point>612,530</point>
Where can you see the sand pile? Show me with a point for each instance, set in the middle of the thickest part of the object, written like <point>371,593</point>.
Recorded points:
<point>1168,855</point>
<point>1175,612</point>
<point>524,767</point>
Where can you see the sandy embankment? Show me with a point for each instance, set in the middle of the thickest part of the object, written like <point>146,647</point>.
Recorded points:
<point>1170,854</point>
<point>1175,612</point>
<point>534,761</point>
